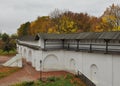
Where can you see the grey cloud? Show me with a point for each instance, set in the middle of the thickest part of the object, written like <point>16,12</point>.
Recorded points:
<point>15,12</point>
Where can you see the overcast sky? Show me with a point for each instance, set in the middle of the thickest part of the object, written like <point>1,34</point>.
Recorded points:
<point>13,13</point>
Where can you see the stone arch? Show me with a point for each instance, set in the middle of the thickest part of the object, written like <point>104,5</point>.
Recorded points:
<point>18,48</point>
<point>50,62</point>
<point>94,72</point>
<point>72,65</point>
<point>30,55</point>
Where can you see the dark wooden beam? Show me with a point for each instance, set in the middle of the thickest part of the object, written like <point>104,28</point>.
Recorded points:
<point>63,42</point>
<point>77,44</point>
<point>45,43</point>
<point>90,48</point>
<point>68,46</point>
<point>106,41</point>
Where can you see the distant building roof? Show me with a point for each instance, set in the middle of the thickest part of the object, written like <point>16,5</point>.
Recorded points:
<point>27,38</point>
<point>83,35</point>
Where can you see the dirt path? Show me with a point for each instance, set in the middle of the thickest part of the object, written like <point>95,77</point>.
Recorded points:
<point>27,73</point>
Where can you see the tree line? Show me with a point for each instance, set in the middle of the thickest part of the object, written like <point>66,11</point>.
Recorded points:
<point>7,42</point>
<point>69,22</point>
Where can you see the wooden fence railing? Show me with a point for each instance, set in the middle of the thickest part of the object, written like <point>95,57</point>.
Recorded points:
<point>87,81</point>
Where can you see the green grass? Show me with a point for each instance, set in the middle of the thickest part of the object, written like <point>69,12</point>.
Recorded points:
<point>54,81</point>
<point>6,71</point>
<point>11,52</point>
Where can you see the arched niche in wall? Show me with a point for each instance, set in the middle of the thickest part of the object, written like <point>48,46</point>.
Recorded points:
<point>30,55</point>
<point>94,72</point>
<point>72,65</point>
<point>50,62</point>
<point>24,52</point>
<point>20,49</point>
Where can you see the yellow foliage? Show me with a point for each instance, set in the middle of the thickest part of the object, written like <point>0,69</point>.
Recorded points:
<point>104,19</point>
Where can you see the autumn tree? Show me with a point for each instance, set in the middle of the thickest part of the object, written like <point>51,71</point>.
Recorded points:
<point>67,25</point>
<point>42,25</point>
<point>95,24</point>
<point>79,22</point>
<point>56,16</point>
<point>64,21</point>
<point>111,18</point>
<point>83,22</point>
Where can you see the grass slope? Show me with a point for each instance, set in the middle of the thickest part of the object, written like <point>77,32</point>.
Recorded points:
<point>67,80</point>
<point>6,71</point>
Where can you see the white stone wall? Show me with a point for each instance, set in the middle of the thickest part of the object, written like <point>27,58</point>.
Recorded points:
<point>116,70</point>
<point>102,69</point>
<point>103,63</point>
<point>38,58</point>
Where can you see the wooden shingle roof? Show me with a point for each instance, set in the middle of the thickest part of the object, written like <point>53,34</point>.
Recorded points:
<point>83,35</point>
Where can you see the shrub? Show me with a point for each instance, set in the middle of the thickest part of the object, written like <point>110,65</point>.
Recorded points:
<point>5,53</point>
<point>12,52</point>
<point>25,84</point>
<point>1,51</point>
<point>69,76</point>
<point>52,79</point>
